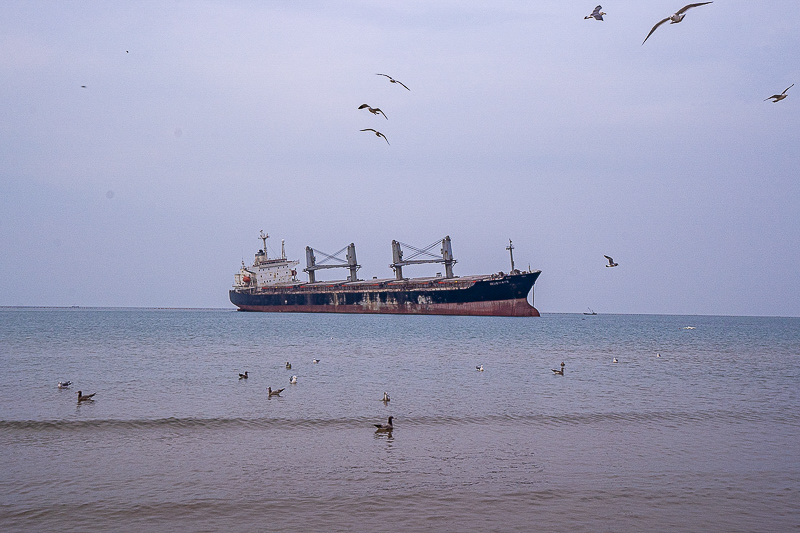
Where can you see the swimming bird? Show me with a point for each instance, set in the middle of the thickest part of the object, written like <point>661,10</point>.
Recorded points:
<point>373,110</point>
<point>288,365</point>
<point>243,376</point>
<point>64,384</point>
<point>386,397</point>
<point>559,372</point>
<point>611,262</point>
<point>615,360</point>
<point>274,392</point>
<point>479,368</point>
<point>379,134</point>
<point>675,17</point>
<point>385,427</point>
<point>658,355</point>
<point>394,80</point>
<point>88,397</point>
<point>779,97</point>
<point>596,14</point>
<point>293,380</point>
<point>315,361</point>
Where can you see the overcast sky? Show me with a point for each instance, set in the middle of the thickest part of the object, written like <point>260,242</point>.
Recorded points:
<point>202,123</point>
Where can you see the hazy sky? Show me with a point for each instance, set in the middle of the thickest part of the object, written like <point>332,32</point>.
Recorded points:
<point>202,123</point>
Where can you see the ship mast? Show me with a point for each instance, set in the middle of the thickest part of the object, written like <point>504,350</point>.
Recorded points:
<point>264,236</point>
<point>510,249</point>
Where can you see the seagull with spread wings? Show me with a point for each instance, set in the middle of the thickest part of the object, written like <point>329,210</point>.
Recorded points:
<point>394,80</point>
<point>779,97</point>
<point>379,134</point>
<point>611,262</point>
<point>675,17</point>
<point>373,110</point>
<point>596,14</point>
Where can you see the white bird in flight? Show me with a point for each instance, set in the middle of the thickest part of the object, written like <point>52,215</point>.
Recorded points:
<point>596,14</point>
<point>675,17</point>
<point>373,110</point>
<point>611,262</point>
<point>394,80</point>
<point>379,134</point>
<point>779,97</point>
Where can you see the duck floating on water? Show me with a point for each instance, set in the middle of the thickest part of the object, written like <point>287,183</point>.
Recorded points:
<point>64,384</point>
<point>243,376</point>
<point>288,365</point>
<point>87,398</point>
<point>388,427</point>
<point>479,368</point>
<point>274,392</point>
<point>385,397</point>
<point>559,372</point>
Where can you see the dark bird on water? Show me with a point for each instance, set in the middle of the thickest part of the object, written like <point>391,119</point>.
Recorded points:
<point>274,392</point>
<point>611,262</point>
<point>779,97</point>
<point>379,134</point>
<point>243,376</point>
<point>394,80</point>
<point>87,398</point>
<point>559,372</point>
<point>373,110</point>
<point>385,427</point>
<point>675,17</point>
<point>596,14</point>
<point>288,365</point>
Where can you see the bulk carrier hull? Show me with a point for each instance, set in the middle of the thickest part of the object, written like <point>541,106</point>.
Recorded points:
<point>495,295</point>
<point>271,285</point>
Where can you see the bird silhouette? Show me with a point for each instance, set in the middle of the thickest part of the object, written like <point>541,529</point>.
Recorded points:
<point>559,372</point>
<point>394,80</point>
<point>611,262</point>
<point>675,17</point>
<point>596,14</point>
<point>373,110</point>
<point>293,380</point>
<point>386,397</point>
<point>388,427</point>
<point>64,384</point>
<point>779,97</point>
<point>243,376</point>
<point>87,398</point>
<point>274,392</point>
<point>288,365</point>
<point>379,134</point>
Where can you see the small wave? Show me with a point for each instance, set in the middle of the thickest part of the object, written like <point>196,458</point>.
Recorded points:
<point>533,419</point>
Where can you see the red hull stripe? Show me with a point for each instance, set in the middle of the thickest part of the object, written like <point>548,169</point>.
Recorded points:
<point>516,307</point>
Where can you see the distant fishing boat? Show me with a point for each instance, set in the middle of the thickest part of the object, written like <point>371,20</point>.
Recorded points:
<point>591,312</point>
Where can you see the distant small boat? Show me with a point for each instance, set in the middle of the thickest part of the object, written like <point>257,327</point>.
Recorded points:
<point>591,312</point>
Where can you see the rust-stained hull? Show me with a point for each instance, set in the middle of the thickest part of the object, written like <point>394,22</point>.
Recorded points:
<point>495,295</point>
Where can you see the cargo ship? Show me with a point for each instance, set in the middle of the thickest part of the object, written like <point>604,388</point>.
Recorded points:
<point>271,285</point>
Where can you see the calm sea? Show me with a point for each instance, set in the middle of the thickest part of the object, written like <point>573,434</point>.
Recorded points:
<point>705,437</point>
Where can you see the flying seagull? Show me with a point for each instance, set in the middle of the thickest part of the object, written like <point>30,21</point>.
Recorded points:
<point>64,384</point>
<point>243,376</point>
<point>779,97</point>
<point>274,392</point>
<point>675,17</point>
<point>88,397</point>
<point>596,14</point>
<point>611,262</point>
<point>373,110</point>
<point>379,134</point>
<point>394,80</point>
<point>385,427</point>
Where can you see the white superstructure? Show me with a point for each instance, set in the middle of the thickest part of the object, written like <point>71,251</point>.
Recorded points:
<point>266,271</point>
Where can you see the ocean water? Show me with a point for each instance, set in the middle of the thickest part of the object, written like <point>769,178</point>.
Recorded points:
<point>704,438</point>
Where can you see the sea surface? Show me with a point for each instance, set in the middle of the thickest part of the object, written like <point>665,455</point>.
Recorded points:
<point>705,437</point>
